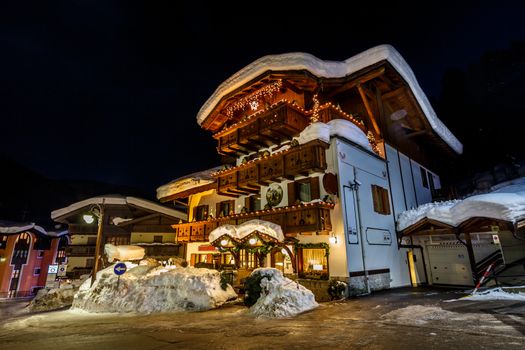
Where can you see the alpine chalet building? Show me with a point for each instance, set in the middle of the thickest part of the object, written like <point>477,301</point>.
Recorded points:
<point>319,159</point>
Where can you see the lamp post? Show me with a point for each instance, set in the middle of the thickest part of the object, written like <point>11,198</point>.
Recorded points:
<point>96,210</point>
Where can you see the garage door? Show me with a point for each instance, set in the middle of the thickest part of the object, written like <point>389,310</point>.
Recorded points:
<point>449,264</point>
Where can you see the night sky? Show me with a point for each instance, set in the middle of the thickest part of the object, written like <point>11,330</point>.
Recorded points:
<point>109,91</point>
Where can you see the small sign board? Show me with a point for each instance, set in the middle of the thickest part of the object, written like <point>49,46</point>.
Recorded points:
<point>120,268</point>
<point>52,269</point>
<point>495,239</point>
<point>61,271</point>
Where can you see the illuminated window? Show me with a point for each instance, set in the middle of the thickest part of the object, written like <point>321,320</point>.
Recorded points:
<point>225,208</point>
<point>313,263</point>
<point>200,212</point>
<point>304,190</point>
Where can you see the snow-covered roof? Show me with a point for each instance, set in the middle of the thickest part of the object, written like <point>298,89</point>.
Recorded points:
<point>9,227</point>
<point>187,182</point>
<point>506,202</point>
<point>332,69</point>
<point>119,200</point>
<point>246,228</point>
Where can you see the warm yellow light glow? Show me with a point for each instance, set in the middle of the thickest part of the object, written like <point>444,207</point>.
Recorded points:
<point>333,240</point>
<point>88,218</point>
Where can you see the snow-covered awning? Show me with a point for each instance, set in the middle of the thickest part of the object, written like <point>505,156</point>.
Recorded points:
<point>332,69</point>
<point>238,233</point>
<point>197,180</point>
<point>505,203</point>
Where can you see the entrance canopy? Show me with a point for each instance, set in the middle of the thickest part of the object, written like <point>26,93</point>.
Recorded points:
<point>505,204</point>
<point>265,230</point>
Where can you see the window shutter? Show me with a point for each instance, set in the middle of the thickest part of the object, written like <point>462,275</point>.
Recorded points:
<point>192,259</point>
<point>247,203</point>
<point>218,210</point>
<point>291,193</point>
<point>314,188</point>
<point>232,207</point>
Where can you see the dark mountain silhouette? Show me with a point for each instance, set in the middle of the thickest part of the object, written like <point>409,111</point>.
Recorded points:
<point>26,195</point>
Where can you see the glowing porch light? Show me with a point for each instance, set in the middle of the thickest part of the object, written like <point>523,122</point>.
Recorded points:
<point>88,218</point>
<point>252,241</point>
<point>224,242</point>
<point>332,240</point>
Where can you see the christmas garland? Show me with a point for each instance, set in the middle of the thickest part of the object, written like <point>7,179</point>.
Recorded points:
<point>322,245</point>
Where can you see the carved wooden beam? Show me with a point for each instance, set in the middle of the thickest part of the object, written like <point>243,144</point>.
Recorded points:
<point>368,109</point>
<point>357,81</point>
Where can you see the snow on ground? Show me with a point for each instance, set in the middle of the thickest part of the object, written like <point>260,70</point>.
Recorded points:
<point>55,298</point>
<point>506,202</point>
<point>492,294</point>
<point>147,289</point>
<point>281,297</point>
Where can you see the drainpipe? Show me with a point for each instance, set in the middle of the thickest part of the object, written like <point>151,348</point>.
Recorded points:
<point>355,187</point>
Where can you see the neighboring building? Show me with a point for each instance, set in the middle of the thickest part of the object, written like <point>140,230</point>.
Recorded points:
<point>127,220</point>
<point>26,251</point>
<point>457,242</point>
<point>331,152</point>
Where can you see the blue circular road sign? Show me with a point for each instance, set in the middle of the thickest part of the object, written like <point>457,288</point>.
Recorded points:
<point>119,268</point>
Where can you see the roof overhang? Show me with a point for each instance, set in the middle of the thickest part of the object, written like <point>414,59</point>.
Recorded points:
<point>319,69</point>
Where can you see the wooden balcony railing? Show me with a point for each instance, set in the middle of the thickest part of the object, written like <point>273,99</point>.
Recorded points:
<point>280,122</point>
<point>309,217</point>
<point>247,178</point>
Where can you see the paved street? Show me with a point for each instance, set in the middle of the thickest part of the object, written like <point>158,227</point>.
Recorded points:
<point>396,319</point>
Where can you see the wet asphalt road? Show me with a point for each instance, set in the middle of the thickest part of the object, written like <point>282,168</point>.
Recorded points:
<point>395,319</point>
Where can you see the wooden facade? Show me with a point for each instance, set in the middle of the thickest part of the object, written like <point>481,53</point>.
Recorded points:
<point>248,178</point>
<point>307,218</point>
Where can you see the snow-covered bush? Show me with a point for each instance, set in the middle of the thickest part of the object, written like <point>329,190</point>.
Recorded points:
<point>337,289</point>
<point>279,296</point>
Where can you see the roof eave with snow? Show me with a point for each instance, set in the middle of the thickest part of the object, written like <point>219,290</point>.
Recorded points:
<point>118,200</point>
<point>332,69</point>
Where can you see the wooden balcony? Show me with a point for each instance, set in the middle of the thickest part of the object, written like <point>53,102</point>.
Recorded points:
<point>311,217</point>
<point>247,178</point>
<point>280,122</point>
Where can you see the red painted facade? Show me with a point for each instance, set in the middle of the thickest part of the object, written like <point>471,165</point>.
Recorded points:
<point>23,269</point>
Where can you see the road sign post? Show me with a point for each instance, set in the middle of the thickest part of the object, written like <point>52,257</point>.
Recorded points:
<point>119,269</point>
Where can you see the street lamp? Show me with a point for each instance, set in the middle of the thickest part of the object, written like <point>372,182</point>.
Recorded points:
<point>96,210</point>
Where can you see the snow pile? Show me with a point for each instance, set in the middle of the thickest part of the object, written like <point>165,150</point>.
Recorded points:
<point>280,296</point>
<point>246,228</point>
<point>147,289</point>
<point>505,203</point>
<point>55,298</point>
<point>419,315</point>
<point>123,252</point>
<point>336,127</point>
<point>493,294</point>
